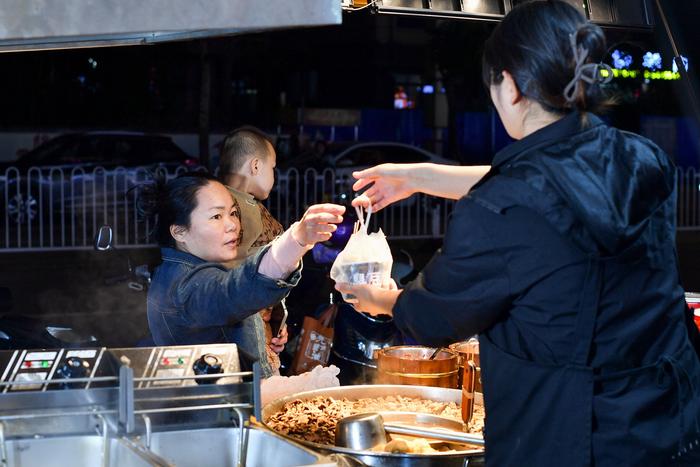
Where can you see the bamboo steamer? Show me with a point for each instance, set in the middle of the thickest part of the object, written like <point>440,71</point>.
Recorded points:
<point>409,364</point>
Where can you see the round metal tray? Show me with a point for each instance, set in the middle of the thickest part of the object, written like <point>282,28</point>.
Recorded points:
<point>447,459</point>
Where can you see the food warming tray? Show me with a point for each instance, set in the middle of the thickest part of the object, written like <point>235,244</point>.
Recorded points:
<point>471,457</point>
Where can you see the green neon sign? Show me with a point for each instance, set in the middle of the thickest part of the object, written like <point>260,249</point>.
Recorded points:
<point>663,75</point>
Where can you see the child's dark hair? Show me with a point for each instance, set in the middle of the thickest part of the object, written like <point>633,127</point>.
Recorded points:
<point>239,145</point>
<point>533,44</point>
<point>171,203</point>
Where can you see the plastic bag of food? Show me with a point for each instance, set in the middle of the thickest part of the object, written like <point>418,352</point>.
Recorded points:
<point>366,259</point>
<point>320,377</point>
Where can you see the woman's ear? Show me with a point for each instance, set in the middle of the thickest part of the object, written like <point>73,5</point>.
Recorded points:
<point>178,232</point>
<point>510,88</point>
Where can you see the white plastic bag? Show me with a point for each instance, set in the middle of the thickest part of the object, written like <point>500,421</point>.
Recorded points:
<point>320,377</point>
<point>366,259</point>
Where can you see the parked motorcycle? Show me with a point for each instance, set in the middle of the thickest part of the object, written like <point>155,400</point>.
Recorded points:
<point>20,331</point>
<point>135,277</point>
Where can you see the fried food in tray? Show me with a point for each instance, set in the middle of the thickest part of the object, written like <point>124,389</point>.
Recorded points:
<point>314,419</point>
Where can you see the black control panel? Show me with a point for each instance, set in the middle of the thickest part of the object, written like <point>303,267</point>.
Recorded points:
<point>41,369</point>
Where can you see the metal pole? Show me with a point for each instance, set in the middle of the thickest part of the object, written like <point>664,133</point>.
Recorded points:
<point>3,446</point>
<point>126,398</point>
<point>105,440</point>
<point>679,63</point>
<point>666,27</point>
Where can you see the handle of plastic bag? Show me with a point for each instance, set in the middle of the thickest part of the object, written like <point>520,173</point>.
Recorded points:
<point>364,222</point>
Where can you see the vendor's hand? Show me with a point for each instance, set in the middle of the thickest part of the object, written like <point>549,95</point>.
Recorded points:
<point>318,223</point>
<point>277,343</point>
<point>371,298</point>
<point>391,183</point>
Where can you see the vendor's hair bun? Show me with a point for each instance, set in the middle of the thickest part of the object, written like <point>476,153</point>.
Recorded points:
<point>590,37</point>
<point>533,44</point>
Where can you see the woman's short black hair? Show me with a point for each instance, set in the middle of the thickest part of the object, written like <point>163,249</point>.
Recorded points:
<point>533,44</point>
<point>171,203</point>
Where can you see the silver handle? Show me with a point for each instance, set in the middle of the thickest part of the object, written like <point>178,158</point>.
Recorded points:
<point>147,423</point>
<point>146,455</point>
<point>3,446</point>
<point>242,440</point>
<point>434,434</point>
<point>105,440</point>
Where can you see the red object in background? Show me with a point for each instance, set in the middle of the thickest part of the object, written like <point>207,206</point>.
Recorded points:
<point>693,300</point>
<point>696,311</point>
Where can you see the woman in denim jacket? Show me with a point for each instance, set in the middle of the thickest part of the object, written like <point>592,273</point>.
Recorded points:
<point>193,298</point>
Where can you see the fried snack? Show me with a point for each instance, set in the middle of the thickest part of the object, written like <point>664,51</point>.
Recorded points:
<point>315,419</point>
<point>406,446</point>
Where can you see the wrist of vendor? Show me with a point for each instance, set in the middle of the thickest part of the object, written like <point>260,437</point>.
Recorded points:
<point>423,175</point>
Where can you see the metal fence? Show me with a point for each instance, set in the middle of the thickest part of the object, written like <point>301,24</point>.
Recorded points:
<point>55,208</point>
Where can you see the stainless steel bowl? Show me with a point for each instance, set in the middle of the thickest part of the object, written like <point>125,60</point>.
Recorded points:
<point>474,457</point>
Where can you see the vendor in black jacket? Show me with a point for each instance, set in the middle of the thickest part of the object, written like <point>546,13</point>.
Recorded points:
<point>562,258</point>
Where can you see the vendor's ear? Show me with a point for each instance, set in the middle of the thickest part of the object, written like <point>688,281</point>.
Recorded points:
<point>178,232</point>
<point>510,88</point>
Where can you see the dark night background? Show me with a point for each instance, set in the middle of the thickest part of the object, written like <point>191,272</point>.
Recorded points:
<point>264,79</point>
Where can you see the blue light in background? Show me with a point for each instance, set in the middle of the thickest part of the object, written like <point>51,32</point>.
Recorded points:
<point>428,89</point>
<point>652,60</point>
<point>621,60</point>
<point>685,64</point>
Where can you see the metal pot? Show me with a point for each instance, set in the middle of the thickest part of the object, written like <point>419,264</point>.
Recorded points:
<point>357,336</point>
<point>473,457</point>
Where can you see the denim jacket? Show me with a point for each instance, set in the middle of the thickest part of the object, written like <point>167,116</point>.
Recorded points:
<point>191,301</point>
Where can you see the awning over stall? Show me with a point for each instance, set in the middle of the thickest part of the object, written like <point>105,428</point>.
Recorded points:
<point>47,24</point>
<point>610,13</point>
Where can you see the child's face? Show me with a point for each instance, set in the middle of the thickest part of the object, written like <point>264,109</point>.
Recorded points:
<point>264,179</point>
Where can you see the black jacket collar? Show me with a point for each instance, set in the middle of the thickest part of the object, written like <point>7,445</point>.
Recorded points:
<point>567,126</point>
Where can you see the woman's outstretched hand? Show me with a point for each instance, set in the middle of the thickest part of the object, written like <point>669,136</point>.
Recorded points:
<point>318,223</point>
<point>390,183</point>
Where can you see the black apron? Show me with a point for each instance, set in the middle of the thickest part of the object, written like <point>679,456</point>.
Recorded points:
<point>542,415</point>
